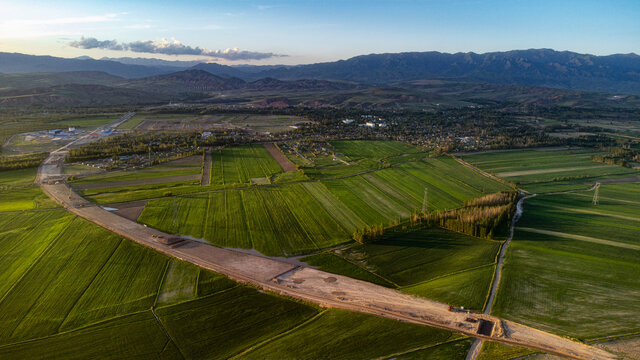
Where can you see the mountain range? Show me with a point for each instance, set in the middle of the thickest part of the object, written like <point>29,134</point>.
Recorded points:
<point>618,73</point>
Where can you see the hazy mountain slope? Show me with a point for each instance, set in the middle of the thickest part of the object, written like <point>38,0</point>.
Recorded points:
<point>34,80</point>
<point>543,67</point>
<point>12,63</point>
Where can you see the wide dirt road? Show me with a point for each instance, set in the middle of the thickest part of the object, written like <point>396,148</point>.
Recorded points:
<point>309,284</point>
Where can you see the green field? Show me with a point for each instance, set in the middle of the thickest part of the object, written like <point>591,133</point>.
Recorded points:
<point>69,289</point>
<point>547,170</point>
<point>583,278</point>
<point>303,216</point>
<point>18,191</point>
<point>239,164</point>
<point>433,263</point>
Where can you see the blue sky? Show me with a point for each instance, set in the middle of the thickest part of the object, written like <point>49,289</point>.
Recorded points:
<point>292,32</point>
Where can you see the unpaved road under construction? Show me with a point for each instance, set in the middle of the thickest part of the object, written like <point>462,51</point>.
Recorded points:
<point>309,284</point>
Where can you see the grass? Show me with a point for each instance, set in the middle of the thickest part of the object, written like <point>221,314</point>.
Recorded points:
<point>132,123</point>
<point>17,178</point>
<point>134,336</point>
<point>330,262</point>
<point>25,199</point>
<point>339,334</point>
<point>491,350</point>
<point>239,164</point>
<point>226,323</point>
<point>301,216</point>
<point>148,173</point>
<point>274,221</point>
<point>568,286</point>
<point>69,289</point>
<point>462,289</point>
<point>548,171</point>
<point>451,350</point>
<point>434,263</point>
<point>356,150</point>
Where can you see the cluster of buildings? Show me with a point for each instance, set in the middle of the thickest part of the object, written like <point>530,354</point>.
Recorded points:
<point>369,121</point>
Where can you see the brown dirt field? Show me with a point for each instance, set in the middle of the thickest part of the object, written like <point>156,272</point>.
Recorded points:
<point>206,170</point>
<point>282,160</point>
<point>158,180</point>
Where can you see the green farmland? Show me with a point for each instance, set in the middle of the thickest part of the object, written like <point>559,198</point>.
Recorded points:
<point>69,289</point>
<point>566,234</point>
<point>433,263</point>
<point>542,171</point>
<point>238,165</point>
<point>298,217</point>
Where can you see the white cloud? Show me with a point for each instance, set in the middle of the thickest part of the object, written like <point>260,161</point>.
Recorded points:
<point>171,47</point>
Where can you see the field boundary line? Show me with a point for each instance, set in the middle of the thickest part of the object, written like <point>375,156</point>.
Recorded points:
<point>164,275</point>
<point>369,271</point>
<point>391,356</point>
<point>580,211</point>
<point>580,238</point>
<point>300,223</point>
<point>576,255</point>
<point>449,274</point>
<point>83,327</point>
<point>115,248</point>
<point>35,261</point>
<point>166,332</point>
<point>196,299</point>
<point>278,336</point>
<point>613,338</point>
<point>195,288</point>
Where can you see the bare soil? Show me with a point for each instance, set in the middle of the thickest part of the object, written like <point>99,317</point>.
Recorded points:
<point>129,210</point>
<point>206,170</point>
<point>282,160</point>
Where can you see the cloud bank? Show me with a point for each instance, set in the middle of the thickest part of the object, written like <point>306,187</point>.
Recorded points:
<point>170,47</point>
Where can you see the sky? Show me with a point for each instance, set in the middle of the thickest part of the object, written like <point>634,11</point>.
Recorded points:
<point>309,31</point>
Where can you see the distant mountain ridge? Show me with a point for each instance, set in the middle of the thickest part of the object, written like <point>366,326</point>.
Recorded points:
<point>15,63</point>
<point>566,70</point>
<point>619,73</point>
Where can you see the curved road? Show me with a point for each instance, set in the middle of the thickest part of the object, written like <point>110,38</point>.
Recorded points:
<point>309,284</point>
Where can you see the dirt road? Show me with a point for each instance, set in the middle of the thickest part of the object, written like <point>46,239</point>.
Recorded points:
<point>206,169</point>
<point>309,284</point>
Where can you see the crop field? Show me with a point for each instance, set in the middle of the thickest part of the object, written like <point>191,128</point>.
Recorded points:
<point>547,170</point>
<point>333,335</point>
<point>275,221</point>
<point>573,267</point>
<point>344,158</point>
<point>18,191</point>
<point>433,263</point>
<point>69,289</point>
<point>193,122</point>
<point>239,164</point>
<point>149,173</point>
<point>390,193</point>
<point>299,217</point>
<point>356,150</point>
